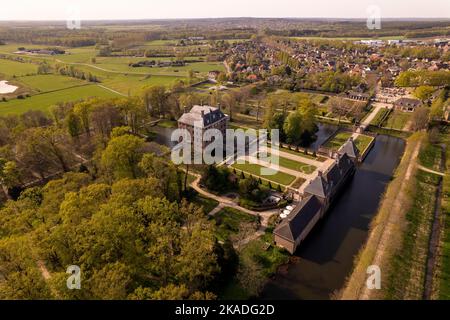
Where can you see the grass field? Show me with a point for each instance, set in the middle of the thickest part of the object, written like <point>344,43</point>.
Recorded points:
<point>295,165</point>
<point>50,82</point>
<point>46,100</point>
<point>255,169</point>
<point>13,68</point>
<point>397,120</point>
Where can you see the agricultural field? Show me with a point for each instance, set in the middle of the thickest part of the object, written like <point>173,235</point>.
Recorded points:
<point>50,82</point>
<point>44,101</point>
<point>11,68</point>
<point>116,76</point>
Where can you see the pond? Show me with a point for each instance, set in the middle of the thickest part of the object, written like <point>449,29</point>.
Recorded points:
<point>163,136</point>
<point>6,88</point>
<point>325,259</point>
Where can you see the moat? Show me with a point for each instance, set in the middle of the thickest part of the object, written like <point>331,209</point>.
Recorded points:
<point>325,259</point>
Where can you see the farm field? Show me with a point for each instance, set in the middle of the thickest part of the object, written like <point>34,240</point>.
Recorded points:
<point>50,82</point>
<point>255,169</point>
<point>44,101</point>
<point>13,68</point>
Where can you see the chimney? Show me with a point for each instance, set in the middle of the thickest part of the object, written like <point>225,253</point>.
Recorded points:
<point>203,113</point>
<point>320,173</point>
<point>218,106</point>
<point>185,110</point>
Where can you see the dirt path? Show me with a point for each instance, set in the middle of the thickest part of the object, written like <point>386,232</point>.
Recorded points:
<point>431,171</point>
<point>225,202</point>
<point>112,90</point>
<point>391,226</point>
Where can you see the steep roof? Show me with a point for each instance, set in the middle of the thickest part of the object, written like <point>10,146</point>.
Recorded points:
<point>293,226</point>
<point>408,102</point>
<point>318,187</point>
<point>323,185</point>
<point>350,149</point>
<point>202,116</point>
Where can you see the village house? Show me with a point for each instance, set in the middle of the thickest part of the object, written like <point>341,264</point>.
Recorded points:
<point>407,104</point>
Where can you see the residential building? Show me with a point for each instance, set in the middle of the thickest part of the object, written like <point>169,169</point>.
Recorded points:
<point>203,118</point>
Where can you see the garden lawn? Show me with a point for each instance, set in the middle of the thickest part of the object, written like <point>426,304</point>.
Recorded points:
<point>296,165</point>
<point>397,120</point>
<point>362,142</point>
<point>255,169</point>
<point>338,140</point>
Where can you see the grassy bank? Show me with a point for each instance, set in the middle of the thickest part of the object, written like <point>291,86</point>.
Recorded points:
<point>442,279</point>
<point>389,212</point>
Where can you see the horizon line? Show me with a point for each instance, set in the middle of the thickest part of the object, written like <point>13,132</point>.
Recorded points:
<point>223,18</point>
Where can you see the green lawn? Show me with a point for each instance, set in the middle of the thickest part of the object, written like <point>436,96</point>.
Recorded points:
<point>228,221</point>
<point>398,120</point>
<point>377,121</point>
<point>362,142</point>
<point>430,156</point>
<point>338,140</point>
<point>12,68</point>
<point>46,100</point>
<point>50,82</point>
<point>255,169</point>
<point>295,165</point>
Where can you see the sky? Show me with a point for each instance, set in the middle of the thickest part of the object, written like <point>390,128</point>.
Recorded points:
<point>172,9</point>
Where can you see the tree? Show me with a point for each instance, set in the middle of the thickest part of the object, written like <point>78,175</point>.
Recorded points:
<point>9,175</point>
<point>419,120</point>
<point>155,100</point>
<point>122,155</point>
<point>40,148</point>
<point>423,92</point>
<point>293,127</point>
<point>73,124</point>
<point>229,101</point>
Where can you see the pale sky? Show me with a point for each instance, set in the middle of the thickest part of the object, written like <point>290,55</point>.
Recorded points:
<point>164,9</point>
